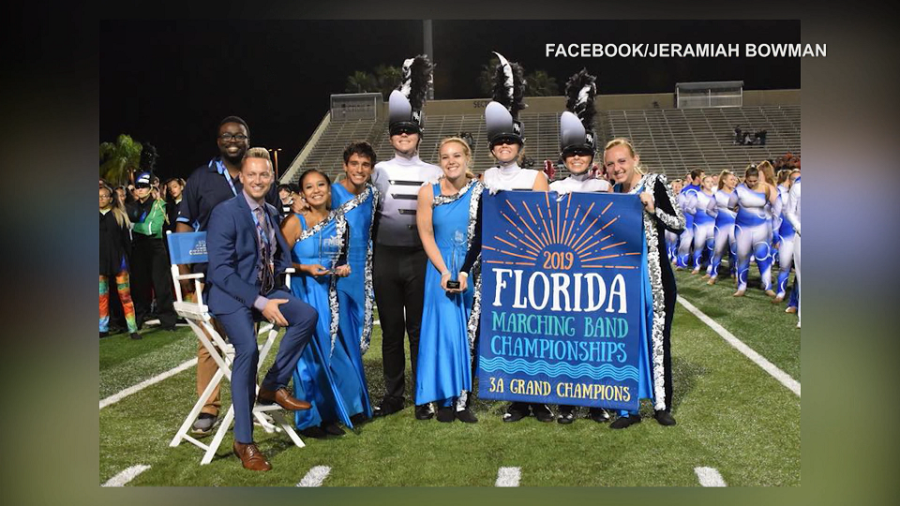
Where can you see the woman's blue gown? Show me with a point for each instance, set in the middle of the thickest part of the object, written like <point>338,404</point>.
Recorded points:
<point>645,369</point>
<point>320,372</point>
<point>355,295</point>
<point>444,365</point>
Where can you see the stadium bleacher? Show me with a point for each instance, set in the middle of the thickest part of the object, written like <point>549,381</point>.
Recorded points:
<point>670,141</point>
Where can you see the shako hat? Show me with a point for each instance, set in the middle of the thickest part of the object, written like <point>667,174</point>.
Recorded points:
<point>501,115</point>
<point>576,124</point>
<point>407,101</point>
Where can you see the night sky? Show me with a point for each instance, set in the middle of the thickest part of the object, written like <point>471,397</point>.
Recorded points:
<point>171,82</point>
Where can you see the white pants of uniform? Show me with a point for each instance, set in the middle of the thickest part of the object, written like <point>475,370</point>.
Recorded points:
<point>797,267</point>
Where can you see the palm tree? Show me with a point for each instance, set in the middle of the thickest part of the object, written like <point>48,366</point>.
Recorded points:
<point>486,77</point>
<point>540,84</point>
<point>388,78</point>
<point>118,160</point>
<point>361,82</point>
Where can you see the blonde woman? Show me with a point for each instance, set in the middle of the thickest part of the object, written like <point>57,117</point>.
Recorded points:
<point>446,218</point>
<point>115,246</point>
<point>661,213</point>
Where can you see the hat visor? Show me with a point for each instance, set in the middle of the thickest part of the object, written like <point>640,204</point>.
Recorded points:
<point>507,137</point>
<point>577,149</point>
<point>408,127</point>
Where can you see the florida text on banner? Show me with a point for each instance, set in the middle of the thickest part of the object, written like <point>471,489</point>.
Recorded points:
<point>561,298</point>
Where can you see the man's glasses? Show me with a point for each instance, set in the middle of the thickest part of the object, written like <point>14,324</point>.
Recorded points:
<point>228,137</point>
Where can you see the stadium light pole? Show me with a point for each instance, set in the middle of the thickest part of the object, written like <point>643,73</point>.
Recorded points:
<point>275,151</point>
<point>428,43</point>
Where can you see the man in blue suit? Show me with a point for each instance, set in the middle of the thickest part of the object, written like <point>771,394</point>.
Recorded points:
<point>246,250</point>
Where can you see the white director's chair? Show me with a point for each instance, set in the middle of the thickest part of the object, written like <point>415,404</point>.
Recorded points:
<point>190,248</point>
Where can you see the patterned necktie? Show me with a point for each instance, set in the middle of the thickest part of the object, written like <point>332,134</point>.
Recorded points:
<point>266,271</point>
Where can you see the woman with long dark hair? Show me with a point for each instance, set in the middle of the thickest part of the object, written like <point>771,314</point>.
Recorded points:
<point>751,225</point>
<point>325,373</point>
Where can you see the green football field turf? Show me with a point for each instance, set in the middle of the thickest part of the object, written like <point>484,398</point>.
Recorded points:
<point>732,416</point>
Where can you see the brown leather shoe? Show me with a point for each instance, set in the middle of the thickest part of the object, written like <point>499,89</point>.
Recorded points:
<point>251,457</point>
<point>282,398</point>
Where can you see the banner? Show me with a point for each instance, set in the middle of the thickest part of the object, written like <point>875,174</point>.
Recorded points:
<point>561,299</point>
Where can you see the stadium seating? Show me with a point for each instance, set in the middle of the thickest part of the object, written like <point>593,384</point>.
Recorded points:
<point>671,141</point>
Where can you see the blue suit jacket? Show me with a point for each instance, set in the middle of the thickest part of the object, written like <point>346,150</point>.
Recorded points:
<point>233,255</point>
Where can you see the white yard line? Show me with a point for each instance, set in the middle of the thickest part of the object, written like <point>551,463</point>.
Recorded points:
<point>315,477</point>
<point>709,477</point>
<point>146,383</point>
<point>121,479</point>
<point>782,377</point>
<point>508,477</point>
<point>112,399</point>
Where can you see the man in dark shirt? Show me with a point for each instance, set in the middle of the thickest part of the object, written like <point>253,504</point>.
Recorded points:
<point>208,186</point>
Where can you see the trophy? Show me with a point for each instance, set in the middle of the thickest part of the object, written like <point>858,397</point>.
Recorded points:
<point>330,249</point>
<point>458,247</point>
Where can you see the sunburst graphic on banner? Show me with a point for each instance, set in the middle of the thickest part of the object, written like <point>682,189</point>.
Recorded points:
<point>558,240</point>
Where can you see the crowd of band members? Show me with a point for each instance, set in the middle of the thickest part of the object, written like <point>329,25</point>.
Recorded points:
<point>397,225</point>
<point>714,202</point>
<point>740,218</point>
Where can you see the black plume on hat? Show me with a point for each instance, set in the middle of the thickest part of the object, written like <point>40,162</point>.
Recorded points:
<point>580,92</point>
<point>508,94</point>
<point>408,100</point>
<point>509,86</point>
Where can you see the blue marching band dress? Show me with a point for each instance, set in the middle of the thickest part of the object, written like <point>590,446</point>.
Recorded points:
<point>724,231</point>
<point>356,297</point>
<point>325,372</point>
<point>446,342</point>
<point>753,234</point>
